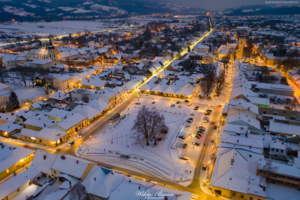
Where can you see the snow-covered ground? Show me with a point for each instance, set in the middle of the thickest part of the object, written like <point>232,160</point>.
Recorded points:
<point>26,193</point>
<point>56,28</point>
<point>117,139</point>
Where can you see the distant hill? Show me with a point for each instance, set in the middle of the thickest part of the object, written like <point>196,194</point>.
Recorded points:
<point>49,10</point>
<point>263,10</point>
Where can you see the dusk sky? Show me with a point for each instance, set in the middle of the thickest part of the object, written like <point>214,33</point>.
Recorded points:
<point>212,4</point>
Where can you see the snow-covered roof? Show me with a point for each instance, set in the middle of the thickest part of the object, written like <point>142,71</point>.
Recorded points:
<point>59,113</point>
<point>42,123</point>
<point>99,104</point>
<point>59,96</point>
<point>10,127</point>
<point>95,82</point>
<point>283,128</point>
<point>52,134</point>
<point>70,165</point>
<point>64,77</point>
<point>40,163</point>
<point>242,103</point>
<point>7,117</point>
<point>11,155</point>
<point>71,121</point>
<point>87,111</point>
<point>243,119</point>
<point>42,61</point>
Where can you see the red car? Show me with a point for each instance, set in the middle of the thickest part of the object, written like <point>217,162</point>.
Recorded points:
<point>219,106</point>
<point>184,146</point>
<point>27,146</point>
<point>212,123</point>
<point>153,102</point>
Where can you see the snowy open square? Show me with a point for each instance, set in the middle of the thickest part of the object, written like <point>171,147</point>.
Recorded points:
<point>118,139</point>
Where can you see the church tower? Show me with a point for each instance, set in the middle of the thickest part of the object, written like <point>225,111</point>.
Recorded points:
<point>240,51</point>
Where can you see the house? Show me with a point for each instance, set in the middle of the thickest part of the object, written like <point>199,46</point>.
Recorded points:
<point>39,167</point>
<point>7,118</point>
<point>93,83</point>
<point>240,105</point>
<point>71,165</point>
<point>46,136</point>
<point>201,48</point>
<point>244,120</point>
<point>9,129</point>
<point>90,113</point>
<point>280,173</point>
<point>72,124</point>
<point>37,124</point>
<point>207,58</point>
<point>9,60</point>
<point>57,114</point>
<point>13,158</point>
<point>46,64</point>
<point>59,96</point>
<point>234,176</point>
<point>63,82</point>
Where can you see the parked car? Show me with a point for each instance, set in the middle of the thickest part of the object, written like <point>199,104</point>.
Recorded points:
<point>208,110</point>
<point>212,123</point>
<point>187,126</point>
<point>206,118</point>
<point>198,136</point>
<point>153,102</point>
<point>144,106</point>
<point>172,105</point>
<point>182,137</point>
<point>71,143</point>
<point>191,118</point>
<point>205,121</point>
<point>215,127</point>
<point>204,166</point>
<point>219,106</point>
<point>202,127</point>
<point>189,121</point>
<point>183,158</point>
<point>187,101</point>
<point>178,102</point>
<point>196,144</point>
<point>193,114</point>
<point>154,107</point>
<point>184,146</point>
<point>138,103</point>
<point>195,108</point>
<point>207,113</point>
<point>79,135</point>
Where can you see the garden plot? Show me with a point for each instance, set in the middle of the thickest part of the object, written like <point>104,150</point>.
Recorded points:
<point>118,142</point>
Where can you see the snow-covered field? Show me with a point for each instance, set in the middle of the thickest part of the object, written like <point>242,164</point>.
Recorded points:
<point>118,139</point>
<point>57,28</point>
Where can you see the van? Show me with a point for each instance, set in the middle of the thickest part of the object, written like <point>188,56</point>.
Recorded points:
<point>123,116</point>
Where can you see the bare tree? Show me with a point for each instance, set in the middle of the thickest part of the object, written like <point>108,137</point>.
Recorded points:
<point>209,81</point>
<point>148,126</point>
<point>22,72</point>
<point>78,192</point>
<point>220,83</point>
<point>3,73</point>
<point>31,73</point>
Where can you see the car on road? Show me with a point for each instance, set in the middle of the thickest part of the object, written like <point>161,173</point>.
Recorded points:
<point>196,144</point>
<point>71,143</point>
<point>184,146</point>
<point>181,137</point>
<point>138,103</point>
<point>79,135</point>
<point>183,158</point>
<point>153,102</point>
<point>212,123</point>
<point>172,105</point>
